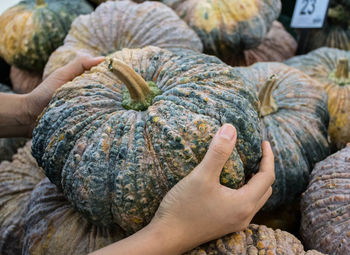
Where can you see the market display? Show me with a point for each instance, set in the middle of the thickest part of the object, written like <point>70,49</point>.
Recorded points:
<point>331,68</point>
<point>325,205</point>
<point>113,141</point>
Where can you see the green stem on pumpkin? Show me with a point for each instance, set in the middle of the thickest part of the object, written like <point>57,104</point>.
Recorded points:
<point>342,71</point>
<point>338,14</point>
<point>40,2</point>
<point>139,94</point>
<point>268,103</point>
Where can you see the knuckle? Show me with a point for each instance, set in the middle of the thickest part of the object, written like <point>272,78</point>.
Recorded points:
<point>219,151</point>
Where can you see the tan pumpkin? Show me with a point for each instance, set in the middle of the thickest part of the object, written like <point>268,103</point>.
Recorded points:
<point>24,81</point>
<point>17,180</point>
<point>123,24</point>
<point>278,45</point>
<point>331,68</point>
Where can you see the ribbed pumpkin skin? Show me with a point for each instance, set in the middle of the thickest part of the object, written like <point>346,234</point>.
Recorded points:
<point>31,32</point>
<point>254,240</point>
<point>228,26</point>
<point>116,165</point>
<point>124,24</point>
<point>278,45</point>
<point>9,146</point>
<point>297,131</point>
<point>17,180</point>
<point>331,35</point>
<point>325,206</point>
<point>53,227</point>
<point>24,81</point>
<point>319,64</point>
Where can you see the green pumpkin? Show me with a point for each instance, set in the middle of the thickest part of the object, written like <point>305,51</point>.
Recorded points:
<point>17,180</point>
<point>227,27</point>
<point>114,164</point>
<point>294,119</point>
<point>9,146</point>
<point>33,29</point>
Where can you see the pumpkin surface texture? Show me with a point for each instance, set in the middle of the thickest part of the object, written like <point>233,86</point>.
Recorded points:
<point>24,81</point>
<point>17,180</point>
<point>117,25</point>
<point>331,68</point>
<point>114,164</point>
<point>294,117</point>
<point>54,228</point>
<point>33,29</point>
<point>228,26</point>
<point>9,146</point>
<point>278,45</point>
<point>325,206</point>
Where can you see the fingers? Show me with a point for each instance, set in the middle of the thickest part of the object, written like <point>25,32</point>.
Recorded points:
<point>79,65</point>
<point>219,151</point>
<point>257,186</point>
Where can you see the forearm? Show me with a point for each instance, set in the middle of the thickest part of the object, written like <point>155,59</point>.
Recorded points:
<point>151,240</point>
<point>14,120</point>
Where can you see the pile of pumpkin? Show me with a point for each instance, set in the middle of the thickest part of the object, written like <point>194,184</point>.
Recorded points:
<point>113,141</point>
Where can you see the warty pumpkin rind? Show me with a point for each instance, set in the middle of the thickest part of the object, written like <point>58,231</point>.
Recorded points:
<point>53,227</point>
<point>320,64</point>
<point>9,146</point>
<point>124,24</point>
<point>228,26</point>
<point>297,131</point>
<point>325,206</point>
<point>31,32</point>
<point>17,180</point>
<point>116,165</point>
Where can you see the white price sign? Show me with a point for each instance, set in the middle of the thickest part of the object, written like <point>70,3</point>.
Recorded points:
<point>309,13</point>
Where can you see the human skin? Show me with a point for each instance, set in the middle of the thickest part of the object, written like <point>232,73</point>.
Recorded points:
<point>198,208</point>
<point>18,113</point>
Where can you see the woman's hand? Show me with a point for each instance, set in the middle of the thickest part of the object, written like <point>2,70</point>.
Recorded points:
<point>18,113</point>
<point>198,208</point>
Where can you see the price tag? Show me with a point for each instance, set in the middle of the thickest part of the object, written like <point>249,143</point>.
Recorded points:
<point>309,13</point>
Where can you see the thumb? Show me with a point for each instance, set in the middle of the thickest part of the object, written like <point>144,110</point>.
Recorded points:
<point>219,151</point>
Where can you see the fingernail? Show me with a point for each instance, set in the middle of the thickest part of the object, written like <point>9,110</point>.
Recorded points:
<point>227,131</point>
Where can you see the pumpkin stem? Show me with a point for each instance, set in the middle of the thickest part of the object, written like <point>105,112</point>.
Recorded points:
<point>268,103</point>
<point>139,94</point>
<point>40,2</point>
<point>342,69</point>
<point>338,14</point>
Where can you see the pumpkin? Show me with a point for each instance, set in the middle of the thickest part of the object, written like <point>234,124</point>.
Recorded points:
<point>331,68</point>
<point>33,29</point>
<point>24,81</point>
<point>117,25</point>
<point>9,146</point>
<point>115,151</point>
<point>325,205</point>
<point>17,180</point>
<point>53,227</point>
<point>294,120</point>
<point>228,27</point>
<point>278,45</point>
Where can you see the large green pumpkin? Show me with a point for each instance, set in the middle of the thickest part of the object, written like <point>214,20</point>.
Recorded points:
<point>9,146</point>
<point>331,68</point>
<point>228,27</point>
<point>31,30</point>
<point>124,24</point>
<point>114,164</point>
<point>325,206</point>
<point>17,180</point>
<point>294,120</point>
